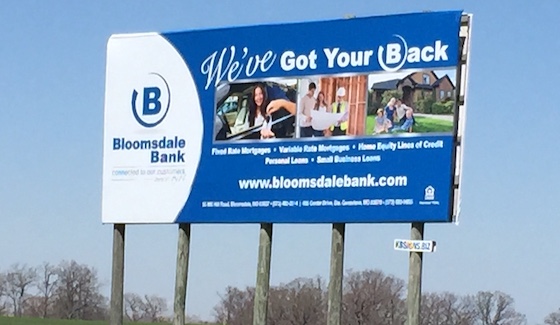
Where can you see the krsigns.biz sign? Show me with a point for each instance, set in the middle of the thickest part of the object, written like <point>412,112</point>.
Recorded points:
<point>357,123</point>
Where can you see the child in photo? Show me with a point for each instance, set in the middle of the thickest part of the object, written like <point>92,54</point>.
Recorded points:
<point>382,124</point>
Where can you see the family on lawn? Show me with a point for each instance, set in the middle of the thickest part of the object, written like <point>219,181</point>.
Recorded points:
<point>396,117</point>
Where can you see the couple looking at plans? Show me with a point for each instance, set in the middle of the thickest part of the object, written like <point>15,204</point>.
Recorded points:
<point>309,104</point>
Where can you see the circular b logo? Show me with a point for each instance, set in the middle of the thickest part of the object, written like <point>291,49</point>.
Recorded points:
<point>150,102</point>
<point>393,57</point>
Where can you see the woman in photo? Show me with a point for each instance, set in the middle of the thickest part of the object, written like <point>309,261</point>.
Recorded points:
<point>321,106</point>
<point>266,103</point>
<point>257,105</point>
<point>390,110</point>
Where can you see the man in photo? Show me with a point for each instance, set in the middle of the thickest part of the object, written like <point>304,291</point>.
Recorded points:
<point>401,110</point>
<point>307,103</point>
<point>407,122</point>
<point>404,113</point>
<point>340,106</point>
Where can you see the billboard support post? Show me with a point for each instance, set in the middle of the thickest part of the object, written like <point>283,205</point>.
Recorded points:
<point>181,273</point>
<point>117,282</point>
<point>260,308</point>
<point>334,316</point>
<point>414,295</point>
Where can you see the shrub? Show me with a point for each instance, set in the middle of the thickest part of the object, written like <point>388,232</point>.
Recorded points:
<point>425,105</point>
<point>443,107</point>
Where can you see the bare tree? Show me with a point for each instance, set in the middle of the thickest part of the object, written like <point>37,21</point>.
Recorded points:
<point>193,319</point>
<point>446,309</point>
<point>371,297</point>
<point>2,284</point>
<point>553,318</point>
<point>19,278</point>
<point>431,311</point>
<point>153,308</point>
<point>235,306</point>
<point>496,308</point>
<point>46,284</point>
<point>32,306</point>
<point>133,306</point>
<point>147,308</point>
<point>278,305</point>
<point>4,306</point>
<point>302,302</point>
<point>466,311</point>
<point>77,294</point>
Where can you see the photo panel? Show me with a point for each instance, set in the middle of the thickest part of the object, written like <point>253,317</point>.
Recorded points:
<point>413,101</point>
<point>256,110</point>
<point>332,106</point>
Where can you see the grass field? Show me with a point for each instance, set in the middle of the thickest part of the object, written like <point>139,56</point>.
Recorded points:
<point>423,125</point>
<point>39,321</point>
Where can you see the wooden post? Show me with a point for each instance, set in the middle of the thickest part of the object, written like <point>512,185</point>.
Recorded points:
<point>260,308</point>
<point>414,295</point>
<point>117,282</point>
<point>181,274</point>
<point>334,315</point>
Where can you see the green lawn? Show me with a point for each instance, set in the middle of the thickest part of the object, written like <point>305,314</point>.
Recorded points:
<point>423,125</point>
<point>39,321</point>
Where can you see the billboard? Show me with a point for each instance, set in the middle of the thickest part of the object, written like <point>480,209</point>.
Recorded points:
<point>350,120</point>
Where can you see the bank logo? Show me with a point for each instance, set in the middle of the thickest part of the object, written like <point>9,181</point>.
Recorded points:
<point>395,55</point>
<point>150,103</point>
<point>429,193</point>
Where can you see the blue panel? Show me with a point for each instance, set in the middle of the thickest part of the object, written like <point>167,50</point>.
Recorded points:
<point>391,178</point>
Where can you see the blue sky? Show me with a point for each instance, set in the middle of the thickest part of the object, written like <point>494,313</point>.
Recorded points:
<point>52,63</point>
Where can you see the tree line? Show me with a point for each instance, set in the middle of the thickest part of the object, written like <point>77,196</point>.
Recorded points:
<point>70,290</point>
<point>370,297</point>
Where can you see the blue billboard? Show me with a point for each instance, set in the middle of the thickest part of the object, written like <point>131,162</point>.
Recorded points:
<point>350,120</point>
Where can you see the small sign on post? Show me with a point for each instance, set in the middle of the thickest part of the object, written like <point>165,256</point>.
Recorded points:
<point>424,246</point>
